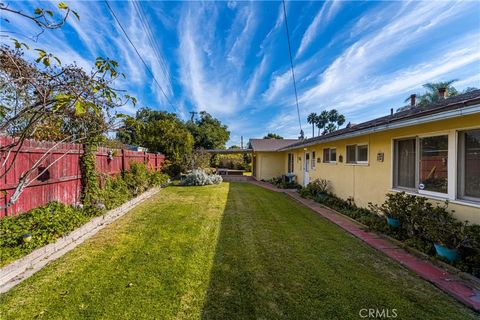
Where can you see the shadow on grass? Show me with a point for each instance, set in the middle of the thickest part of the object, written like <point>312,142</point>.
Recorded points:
<point>277,260</point>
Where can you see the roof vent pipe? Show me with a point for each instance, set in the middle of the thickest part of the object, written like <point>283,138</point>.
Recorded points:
<point>413,100</point>
<point>441,93</point>
<point>391,111</point>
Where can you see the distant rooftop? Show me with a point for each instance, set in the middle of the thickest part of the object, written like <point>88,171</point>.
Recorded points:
<point>266,145</point>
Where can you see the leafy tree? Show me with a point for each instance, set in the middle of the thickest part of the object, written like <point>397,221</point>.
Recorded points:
<point>208,132</point>
<point>159,131</point>
<point>312,119</point>
<point>329,121</point>
<point>273,136</point>
<point>44,99</point>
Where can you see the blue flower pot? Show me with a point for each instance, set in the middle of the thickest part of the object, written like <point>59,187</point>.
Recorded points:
<point>392,222</point>
<point>444,252</point>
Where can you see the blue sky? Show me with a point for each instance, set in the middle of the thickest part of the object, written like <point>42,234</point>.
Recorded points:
<point>231,58</point>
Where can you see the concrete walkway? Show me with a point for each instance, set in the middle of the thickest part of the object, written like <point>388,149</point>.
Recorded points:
<point>444,280</point>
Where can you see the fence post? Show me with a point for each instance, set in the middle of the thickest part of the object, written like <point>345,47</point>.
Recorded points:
<point>123,161</point>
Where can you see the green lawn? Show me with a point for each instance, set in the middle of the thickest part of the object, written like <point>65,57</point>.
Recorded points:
<point>233,251</point>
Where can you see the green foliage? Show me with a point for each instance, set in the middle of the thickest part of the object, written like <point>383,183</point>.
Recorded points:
<point>48,223</point>
<point>272,136</point>
<point>159,131</point>
<point>421,223</point>
<point>316,187</point>
<point>329,121</point>
<point>431,93</point>
<point>90,182</point>
<point>208,132</point>
<point>282,183</point>
<point>45,224</point>
<point>235,251</point>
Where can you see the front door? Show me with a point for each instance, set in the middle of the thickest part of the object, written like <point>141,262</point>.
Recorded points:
<point>306,163</point>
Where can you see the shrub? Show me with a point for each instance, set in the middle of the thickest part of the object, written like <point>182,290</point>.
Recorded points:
<point>316,187</point>
<point>158,179</point>
<point>48,223</point>
<point>200,178</point>
<point>45,224</point>
<point>282,183</point>
<point>137,178</point>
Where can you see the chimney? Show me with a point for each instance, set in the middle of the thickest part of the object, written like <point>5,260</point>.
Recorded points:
<point>441,93</point>
<point>413,100</point>
<point>391,111</point>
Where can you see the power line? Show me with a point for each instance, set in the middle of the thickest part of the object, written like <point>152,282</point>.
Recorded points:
<point>291,66</point>
<point>151,39</point>
<point>139,55</point>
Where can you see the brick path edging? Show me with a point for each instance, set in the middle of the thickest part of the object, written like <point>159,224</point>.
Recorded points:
<point>19,270</point>
<point>446,281</point>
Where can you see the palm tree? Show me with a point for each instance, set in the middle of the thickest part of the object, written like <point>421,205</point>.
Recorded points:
<point>431,95</point>
<point>322,120</point>
<point>312,119</point>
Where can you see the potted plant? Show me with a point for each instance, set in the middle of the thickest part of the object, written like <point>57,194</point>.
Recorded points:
<point>393,209</point>
<point>446,233</point>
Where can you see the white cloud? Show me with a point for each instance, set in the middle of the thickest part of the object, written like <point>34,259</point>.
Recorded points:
<point>323,17</point>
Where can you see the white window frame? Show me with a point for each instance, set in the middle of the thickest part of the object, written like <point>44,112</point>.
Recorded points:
<point>357,162</point>
<point>312,160</point>
<point>451,164</point>
<point>290,156</point>
<point>460,172</point>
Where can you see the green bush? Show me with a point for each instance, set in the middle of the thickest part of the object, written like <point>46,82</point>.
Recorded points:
<point>421,224</point>
<point>48,223</point>
<point>316,187</point>
<point>282,183</point>
<point>45,224</point>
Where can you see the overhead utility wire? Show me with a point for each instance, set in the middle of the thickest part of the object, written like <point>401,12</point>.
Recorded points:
<point>291,65</point>
<point>151,39</point>
<point>139,55</point>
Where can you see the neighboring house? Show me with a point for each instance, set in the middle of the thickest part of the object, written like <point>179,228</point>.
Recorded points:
<point>267,161</point>
<point>432,151</point>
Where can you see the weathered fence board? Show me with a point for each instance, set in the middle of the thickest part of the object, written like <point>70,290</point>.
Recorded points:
<point>62,182</point>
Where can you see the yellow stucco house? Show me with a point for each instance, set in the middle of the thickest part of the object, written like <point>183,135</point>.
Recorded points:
<point>432,151</point>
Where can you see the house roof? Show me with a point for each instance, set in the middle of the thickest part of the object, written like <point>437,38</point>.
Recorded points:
<point>271,144</point>
<point>454,103</point>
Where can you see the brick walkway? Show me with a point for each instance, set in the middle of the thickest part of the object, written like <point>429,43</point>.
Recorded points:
<point>448,282</point>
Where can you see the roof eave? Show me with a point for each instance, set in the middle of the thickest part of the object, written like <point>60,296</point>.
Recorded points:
<point>472,109</point>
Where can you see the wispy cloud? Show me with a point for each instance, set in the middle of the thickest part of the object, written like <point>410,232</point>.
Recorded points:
<point>323,17</point>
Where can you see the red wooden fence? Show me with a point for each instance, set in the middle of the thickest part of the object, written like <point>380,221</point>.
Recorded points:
<point>62,182</point>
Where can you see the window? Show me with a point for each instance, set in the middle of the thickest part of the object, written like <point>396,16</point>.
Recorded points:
<point>404,165</point>
<point>329,155</point>
<point>469,165</point>
<point>421,164</point>
<point>290,163</point>
<point>313,159</point>
<point>357,153</point>
<point>362,153</point>
<point>351,151</point>
<point>434,164</point>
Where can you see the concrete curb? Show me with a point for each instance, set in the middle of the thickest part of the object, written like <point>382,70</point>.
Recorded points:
<point>19,270</point>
